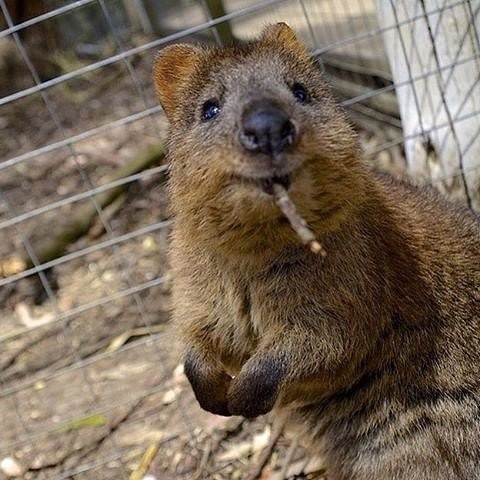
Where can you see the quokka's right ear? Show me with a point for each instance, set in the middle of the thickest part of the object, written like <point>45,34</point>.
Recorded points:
<point>173,65</point>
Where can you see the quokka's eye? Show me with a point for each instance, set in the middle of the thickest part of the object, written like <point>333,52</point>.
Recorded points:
<point>210,109</point>
<point>300,93</point>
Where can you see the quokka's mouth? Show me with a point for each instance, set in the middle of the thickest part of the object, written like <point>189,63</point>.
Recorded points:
<point>267,183</point>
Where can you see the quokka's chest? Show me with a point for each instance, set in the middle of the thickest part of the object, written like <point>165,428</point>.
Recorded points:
<point>232,330</point>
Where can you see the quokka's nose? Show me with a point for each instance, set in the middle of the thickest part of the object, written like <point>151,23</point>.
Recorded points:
<point>266,129</point>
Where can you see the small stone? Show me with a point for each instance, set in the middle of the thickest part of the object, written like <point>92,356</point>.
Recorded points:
<point>170,396</point>
<point>149,243</point>
<point>39,461</point>
<point>11,468</point>
<point>35,414</point>
<point>108,276</point>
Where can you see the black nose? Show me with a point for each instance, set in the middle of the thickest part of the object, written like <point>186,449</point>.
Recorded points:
<point>266,129</point>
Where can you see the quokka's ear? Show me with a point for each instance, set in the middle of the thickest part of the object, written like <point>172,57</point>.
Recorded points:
<point>172,67</point>
<point>283,34</point>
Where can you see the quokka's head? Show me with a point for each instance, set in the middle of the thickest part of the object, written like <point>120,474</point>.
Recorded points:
<point>244,117</point>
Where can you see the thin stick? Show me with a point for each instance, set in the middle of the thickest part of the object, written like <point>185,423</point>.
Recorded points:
<point>288,459</point>
<point>234,425</point>
<point>200,471</point>
<point>257,469</point>
<point>147,459</point>
<point>296,221</point>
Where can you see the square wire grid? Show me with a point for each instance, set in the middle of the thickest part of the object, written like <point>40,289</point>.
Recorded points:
<point>87,371</point>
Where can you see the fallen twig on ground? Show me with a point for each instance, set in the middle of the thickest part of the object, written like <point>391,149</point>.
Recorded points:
<point>85,450</point>
<point>145,462</point>
<point>233,427</point>
<point>84,216</point>
<point>288,458</point>
<point>257,469</point>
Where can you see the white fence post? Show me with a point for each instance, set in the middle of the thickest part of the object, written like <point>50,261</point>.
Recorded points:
<point>437,45</point>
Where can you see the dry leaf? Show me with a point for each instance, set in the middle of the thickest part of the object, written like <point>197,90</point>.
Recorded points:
<point>245,449</point>
<point>27,318</point>
<point>11,266</point>
<point>236,451</point>
<point>124,337</point>
<point>260,441</point>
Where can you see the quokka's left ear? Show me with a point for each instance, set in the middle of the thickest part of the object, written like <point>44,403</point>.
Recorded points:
<point>283,34</point>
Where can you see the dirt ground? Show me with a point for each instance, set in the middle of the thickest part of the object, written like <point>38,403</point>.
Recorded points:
<point>97,392</point>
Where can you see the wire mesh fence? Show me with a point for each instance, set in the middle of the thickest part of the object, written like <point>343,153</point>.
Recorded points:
<point>89,377</point>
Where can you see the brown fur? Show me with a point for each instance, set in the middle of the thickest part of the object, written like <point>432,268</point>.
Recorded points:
<point>373,351</point>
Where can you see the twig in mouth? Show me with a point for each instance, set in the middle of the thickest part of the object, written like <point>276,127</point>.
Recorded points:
<point>296,221</point>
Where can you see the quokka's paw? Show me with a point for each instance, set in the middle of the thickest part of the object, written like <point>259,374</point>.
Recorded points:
<point>209,382</point>
<point>254,390</point>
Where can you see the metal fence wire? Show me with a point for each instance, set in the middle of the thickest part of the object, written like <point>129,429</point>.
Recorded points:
<point>90,386</point>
